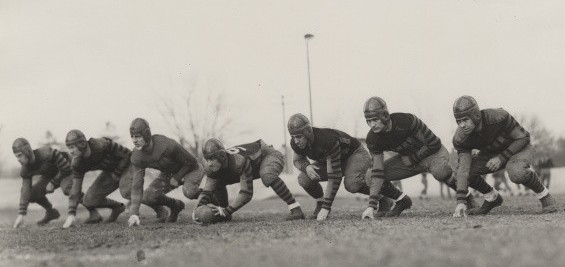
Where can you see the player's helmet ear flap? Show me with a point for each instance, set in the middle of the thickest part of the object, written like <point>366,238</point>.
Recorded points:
<point>466,106</point>
<point>140,126</point>
<point>299,124</point>
<point>375,108</point>
<point>23,146</point>
<point>77,138</point>
<point>214,149</point>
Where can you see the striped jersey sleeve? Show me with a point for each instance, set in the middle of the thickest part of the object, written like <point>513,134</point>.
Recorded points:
<point>376,179</point>
<point>137,188</point>
<point>335,175</point>
<point>517,133</point>
<point>25,195</point>
<point>123,154</point>
<point>188,162</point>
<point>431,142</point>
<point>246,191</point>
<point>462,174</point>
<point>63,165</point>
<point>300,162</point>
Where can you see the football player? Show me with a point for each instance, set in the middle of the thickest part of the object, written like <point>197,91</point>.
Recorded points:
<point>54,168</point>
<point>502,143</point>
<point>419,150</point>
<point>176,165</point>
<point>97,154</point>
<point>242,164</point>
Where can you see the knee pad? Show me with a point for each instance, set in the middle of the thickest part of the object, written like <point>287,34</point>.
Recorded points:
<point>518,171</point>
<point>352,186</point>
<point>191,192</point>
<point>304,180</point>
<point>88,201</point>
<point>442,173</point>
<point>269,179</point>
<point>150,197</point>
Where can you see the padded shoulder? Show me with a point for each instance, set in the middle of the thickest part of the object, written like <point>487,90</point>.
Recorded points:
<point>493,116</point>
<point>402,121</point>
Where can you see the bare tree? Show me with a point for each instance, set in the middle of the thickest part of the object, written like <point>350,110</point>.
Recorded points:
<point>541,137</point>
<point>196,114</point>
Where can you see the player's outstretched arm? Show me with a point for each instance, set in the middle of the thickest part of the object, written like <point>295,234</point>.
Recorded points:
<point>136,195</point>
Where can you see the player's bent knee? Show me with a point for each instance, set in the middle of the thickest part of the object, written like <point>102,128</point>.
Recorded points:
<point>89,201</point>
<point>352,187</point>
<point>191,192</point>
<point>518,171</point>
<point>442,174</point>
<point>304,180</point>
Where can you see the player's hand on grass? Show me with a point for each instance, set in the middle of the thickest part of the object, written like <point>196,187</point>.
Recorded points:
<point>368,213</point>
<point>70,221</point>
<point>19,221</point>
<point>133,220</point>
<point>494,164</point>
<point>222,212</point>
<point>460,211</point>
<point>50,187</point>
<point>312,173</point>
<point>323,214</point>
<point>194,219</point>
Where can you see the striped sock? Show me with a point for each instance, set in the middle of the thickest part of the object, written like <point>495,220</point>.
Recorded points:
<point>365,190</point>
<point>451,183</point>
<point>282,191</point>
<point>167,201</point>
<point>314,190</point>
<point>390,191</point>
<point>44,202</point>
<point>478,183</point>
<point>532,182</point>
<point>108,203</point>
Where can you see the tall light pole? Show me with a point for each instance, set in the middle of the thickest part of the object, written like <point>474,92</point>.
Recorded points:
<point>306,38</point>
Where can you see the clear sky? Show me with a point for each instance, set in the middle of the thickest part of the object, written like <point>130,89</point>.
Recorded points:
<point>77,64</point>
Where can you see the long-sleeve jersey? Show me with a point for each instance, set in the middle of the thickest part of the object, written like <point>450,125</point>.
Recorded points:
<point>105,155</point>
<point>48,163</point>
<point>242,166</point>
<point>498,134</point>
<point>408,136</point>
<point>165,155</point>
<point>332,146</point>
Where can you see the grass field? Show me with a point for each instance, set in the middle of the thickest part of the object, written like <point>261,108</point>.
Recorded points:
<point>426,235</point>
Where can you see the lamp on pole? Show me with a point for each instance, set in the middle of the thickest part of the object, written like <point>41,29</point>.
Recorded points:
<point>306,38</point>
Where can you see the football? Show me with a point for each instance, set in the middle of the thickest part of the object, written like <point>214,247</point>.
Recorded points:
<point>206,214</point>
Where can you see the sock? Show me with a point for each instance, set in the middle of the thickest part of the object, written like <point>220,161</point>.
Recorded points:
<point>543,193</point>
<point>314,190</point>
<point>282,191</point>
<point>478,183</point>
<point>532,182</point>
<point>400,197</point>
<point>320,199</point>
<point>491,196</point>
<point>168,201</point>
<point>388,190</point>
<point>44,202</point>
<point>109,203</point>
<point>294,206</point>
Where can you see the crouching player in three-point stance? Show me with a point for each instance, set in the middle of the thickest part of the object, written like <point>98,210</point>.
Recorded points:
<point>55,170</point>
<point>177,167</point>
<point>335,155</point>
<point>502,143</point>
<point>419,150</point>
<point>242,164</point>
<point>97,154</point>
